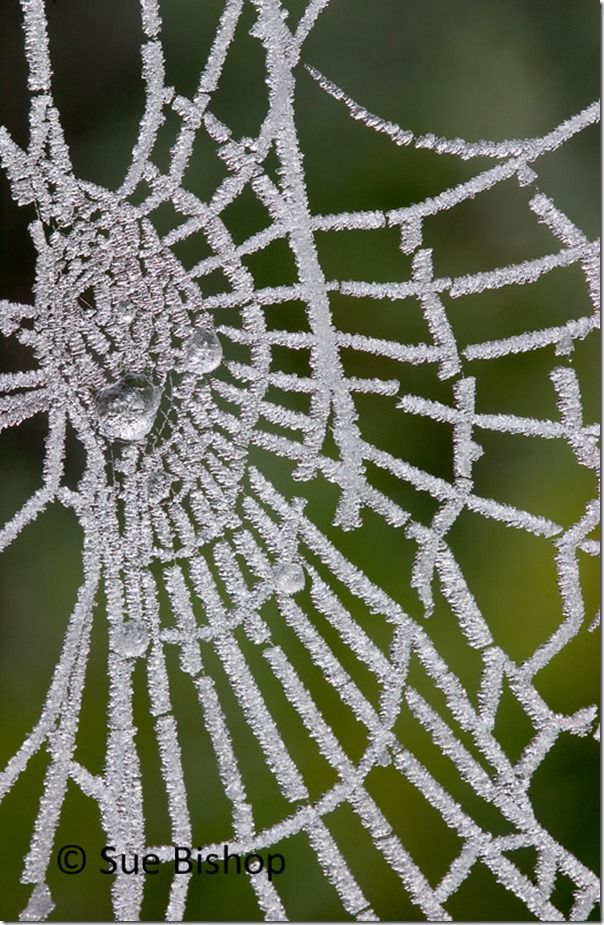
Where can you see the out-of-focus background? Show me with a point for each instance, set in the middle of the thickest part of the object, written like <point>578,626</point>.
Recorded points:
<point>502,69</point>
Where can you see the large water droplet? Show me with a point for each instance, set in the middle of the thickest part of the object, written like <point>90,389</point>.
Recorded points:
<point>202,352</point>
<point>289,577</point>
<point>126,410</point>
<point>131,640</point>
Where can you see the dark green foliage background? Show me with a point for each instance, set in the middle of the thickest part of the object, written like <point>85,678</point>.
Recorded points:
<point>506,68</point>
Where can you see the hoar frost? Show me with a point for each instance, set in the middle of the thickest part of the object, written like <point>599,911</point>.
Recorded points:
<point>182,531</point>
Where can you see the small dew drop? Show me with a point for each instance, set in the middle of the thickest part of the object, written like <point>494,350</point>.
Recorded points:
<point>126,410</point>
<point>384,758</point>
<point>202,353</point>
<point>565,345</point>
<point>289,577</point>
<point>131,640</point>
<point>158,485</point>
<point>125,311</point>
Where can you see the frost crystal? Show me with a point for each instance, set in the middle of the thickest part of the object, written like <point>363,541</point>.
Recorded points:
<point>195,575</point>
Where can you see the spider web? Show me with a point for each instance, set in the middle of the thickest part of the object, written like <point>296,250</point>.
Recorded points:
<point>216,532</point>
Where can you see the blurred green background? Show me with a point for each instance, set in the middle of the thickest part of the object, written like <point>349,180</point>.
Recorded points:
<point>506,68</point>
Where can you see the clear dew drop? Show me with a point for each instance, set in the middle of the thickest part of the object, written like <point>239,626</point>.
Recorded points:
<point>131,640</point>
<point>202,353</point>
<point>126,410</point>
<point>289,577</point>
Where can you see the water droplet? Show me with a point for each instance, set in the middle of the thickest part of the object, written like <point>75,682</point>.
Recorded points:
<point>127,409</point>
<point>131,640</point>
<point>158,485</point>
<point>289,577</point>
<point>526,175</point>
<point>202,352</point>
<point>383,758</point>
<point>126,311</point>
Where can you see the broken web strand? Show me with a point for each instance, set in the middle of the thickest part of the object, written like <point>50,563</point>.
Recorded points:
<point>331,391</point>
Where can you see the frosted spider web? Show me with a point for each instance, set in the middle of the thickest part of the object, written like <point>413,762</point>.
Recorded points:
<point>186,510</point>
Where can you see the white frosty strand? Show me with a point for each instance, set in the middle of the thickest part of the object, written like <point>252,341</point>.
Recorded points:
<point>39,906</point>
<point>531,147</point>
<point>36,44</point>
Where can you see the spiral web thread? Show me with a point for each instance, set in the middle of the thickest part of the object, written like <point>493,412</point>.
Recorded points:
<point>213,540</point>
